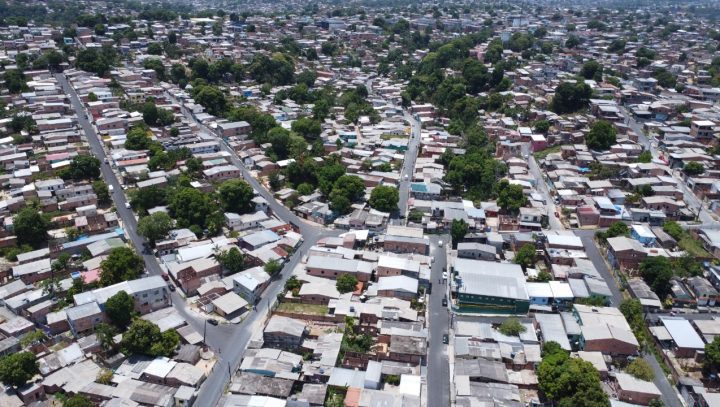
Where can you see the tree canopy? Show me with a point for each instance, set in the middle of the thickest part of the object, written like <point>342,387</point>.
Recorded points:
<point>144,338</point>
<point>602,135</point>
<point>657,272</point>
<point>236,196</point>
<point>384,198</point>
<point>510,197</point>
<point>458,230</point>
<point>30,227</point>
<point>232,260</point>
<point>16,369</point>
<point>122,264</point>
<point>82,167</point>
<point>119,308</point>
<point>346,283</point>
<point>512,327</point>
<point>155,227</point>
<point>570,98</point>
<point>569,381</point>
<point>525,256</point>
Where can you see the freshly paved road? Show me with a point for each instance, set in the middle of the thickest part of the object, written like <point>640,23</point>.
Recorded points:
<point>438,369</point>
<point>408,167</point>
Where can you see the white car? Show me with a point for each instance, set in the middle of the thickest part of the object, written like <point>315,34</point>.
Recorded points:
<point>127,205</point>
<point>440,243</point>
<point>445,275</point>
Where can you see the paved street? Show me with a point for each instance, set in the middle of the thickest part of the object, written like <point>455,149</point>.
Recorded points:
<point>554,222</point>
<point>704,215</point>
<point>228,339</point>
<point>408,167</point>
<point>118,197</point>
<point>438,376</point>
<point>238,336</point>
<point>594,255</point>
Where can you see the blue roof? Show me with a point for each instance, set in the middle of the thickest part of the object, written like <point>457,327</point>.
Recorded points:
<point>418,187</point>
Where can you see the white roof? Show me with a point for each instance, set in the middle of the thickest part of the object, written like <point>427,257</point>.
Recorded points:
<point>399,263</point>
<point>160,367</point>
<point>564,240</point>
<point>683,333</point>
<point>561,290</point>
<point>398,283</point>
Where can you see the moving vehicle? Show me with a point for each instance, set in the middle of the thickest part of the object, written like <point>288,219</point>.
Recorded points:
<point>127,205</point>
<point>110,188</point>
<point>440,243</point>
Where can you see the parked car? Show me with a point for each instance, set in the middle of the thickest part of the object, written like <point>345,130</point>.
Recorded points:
<point>212,322</point>
<point>446,339</point>
<point>444,302</point>
<point>171,287</point>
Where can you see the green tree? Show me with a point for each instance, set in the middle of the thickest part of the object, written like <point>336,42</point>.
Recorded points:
<point>30,227</point>
<point>279,138</point>
<point>147,198</point>
<point>693,168</point>
<point>137,139</point>
<point>155,227</point>
<point>150,113</point>
<point>542,126</point>
<point>82,167</point>
<point>592,70</point>
<point>569,381</point>
<point>645,157</point>
<point>384,198</point>
<point>232,260</point>
<point>346,283</point>
<point>101,190</point>
<point>570,98</point>
<point>122,264</point>
<point>307,77</point>
<point>351,186</point>
<point>673,229</point>
<point>601,136</point>
<point>16,369</point>
<point>307,127</point>
<point>272,267</point>
<point>510,197</point>
<point>212,99</point>
<point>105,334</point>
<point>712,356</point>
<point>511,327</point>
<point>189,206</point>
<point>657,272</point>
<point>144,338</point>
<point>120,308</point>
<point>640,369</point>
<point>458,230</point>
<point>92,97</point>
<point>236,196</point>
<point>525,256</point>
<point>77,400</point>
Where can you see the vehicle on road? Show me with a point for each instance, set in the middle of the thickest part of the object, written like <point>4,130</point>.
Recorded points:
<point>446,339</point>
<point>212,322</point>
<point>440,243</point>
<point>165,277</point>
<point>127,205</point>
<point>445,275</point>
<point>171,287</point>
<point>110,188</point>
<point>444,302</point>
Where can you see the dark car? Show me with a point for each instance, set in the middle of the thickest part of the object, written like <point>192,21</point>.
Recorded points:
<point>171,287</point>
<point>446,339</point>
<point>444,302</point>
<point>212,322</point>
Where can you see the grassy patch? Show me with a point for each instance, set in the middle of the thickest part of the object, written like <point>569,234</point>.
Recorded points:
<point>693,246</point>
<point>544,153</point>
<point>312,309</point>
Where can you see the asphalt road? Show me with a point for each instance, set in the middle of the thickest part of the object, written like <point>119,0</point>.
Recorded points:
<point>408,167</point>
<point>126,215</point>
<point>689,196</point>
<point>553,221</point>
<point>438,369</point>
<point>237,336</point>
<point>594,255</point>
